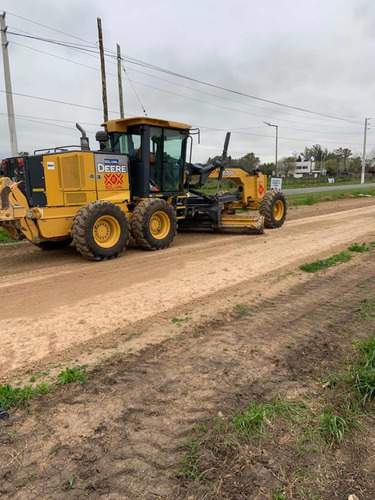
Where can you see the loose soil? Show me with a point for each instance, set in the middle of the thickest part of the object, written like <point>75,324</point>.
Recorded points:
<point>58,308</point>
<point>120,435</point>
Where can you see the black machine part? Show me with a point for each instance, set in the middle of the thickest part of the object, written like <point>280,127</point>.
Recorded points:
<point>103,138</point>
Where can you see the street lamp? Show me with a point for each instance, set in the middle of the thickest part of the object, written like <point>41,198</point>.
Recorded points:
<point>277,137</point>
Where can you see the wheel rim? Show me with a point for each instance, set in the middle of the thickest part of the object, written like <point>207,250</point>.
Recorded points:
<point>106,231</point>
<point>278,210</point>
<point>160,225</point>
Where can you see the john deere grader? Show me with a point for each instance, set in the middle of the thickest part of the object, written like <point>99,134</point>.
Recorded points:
<point>138,182</point>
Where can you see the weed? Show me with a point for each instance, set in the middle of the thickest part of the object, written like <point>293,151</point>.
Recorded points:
<point>365,312</point>
<point>179,321</point>
<point>76,374</point>
<point>355,247</point>
<point>252,421</point>
<point>241,309</point>
<point>364,370</point>
<point>191,462</point>
<point>54,449</point>
<point>332,427</point>
<point>13,396</point>
<point>4,237</point>
<point>317,265</point>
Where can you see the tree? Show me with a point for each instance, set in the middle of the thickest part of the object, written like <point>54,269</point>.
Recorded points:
<point>286,166</point>
<point>249,161</point>
<point>267,168</point>
<point>331,167</point>
<point>343,155</point>
<point>316,151</point>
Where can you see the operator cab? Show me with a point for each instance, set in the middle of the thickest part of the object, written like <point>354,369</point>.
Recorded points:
<point>156,151</point>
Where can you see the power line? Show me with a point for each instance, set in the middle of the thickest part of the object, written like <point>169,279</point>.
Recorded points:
<point>43,122</point>
<point>60,102</point>
<point>135,92</point>
<point>234,131</point>
<point>178,75</point>
<point>173,93</point>
<point>82,49</point>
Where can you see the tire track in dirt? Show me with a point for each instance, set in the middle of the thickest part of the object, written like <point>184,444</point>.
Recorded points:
<point>121,438</point>
<point>41,318</point>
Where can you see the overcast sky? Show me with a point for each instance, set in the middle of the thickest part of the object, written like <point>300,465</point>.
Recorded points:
<point>312,54</point>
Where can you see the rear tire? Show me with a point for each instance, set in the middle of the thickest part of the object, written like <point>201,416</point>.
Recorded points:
<point>273,209</point>
<point>153,224</point>
<point>100,231</point>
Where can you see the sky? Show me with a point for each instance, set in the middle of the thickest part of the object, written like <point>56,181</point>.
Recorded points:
<point>317,55</point>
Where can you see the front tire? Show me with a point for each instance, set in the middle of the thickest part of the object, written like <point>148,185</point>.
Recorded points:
<point>273,209</point>
<point>100,230</point>
<point>153,224</point>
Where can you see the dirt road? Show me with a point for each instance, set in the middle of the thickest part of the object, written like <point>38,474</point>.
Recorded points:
<point>124,433</point>
<point>56,307</point>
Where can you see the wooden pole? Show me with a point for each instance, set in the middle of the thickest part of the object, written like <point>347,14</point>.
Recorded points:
<point>102,64</point>
<point>120,93</point>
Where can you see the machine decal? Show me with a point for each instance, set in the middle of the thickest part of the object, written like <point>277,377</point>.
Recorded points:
<point>50,165</point>
<point>260,189</point>
<point>111,166</point>
<point>113,181</point>
<point>228,173</point>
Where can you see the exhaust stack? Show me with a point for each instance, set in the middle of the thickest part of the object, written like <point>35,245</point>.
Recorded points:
<point>85,144</point>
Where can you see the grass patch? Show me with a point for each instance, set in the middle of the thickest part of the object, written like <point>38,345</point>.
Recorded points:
<point>322,196</point>
<point>15,396</point>
<point>361,248</point>
<point>4,237</point>
<point>255,418</point>
<point>318,265</point>
<point>190,464</point>
<point>241,309</point>
<point>76,374</point>
<point>179,321</point>
<point>364,370</point>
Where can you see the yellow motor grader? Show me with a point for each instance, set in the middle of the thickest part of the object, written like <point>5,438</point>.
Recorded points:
<point>138,182</point>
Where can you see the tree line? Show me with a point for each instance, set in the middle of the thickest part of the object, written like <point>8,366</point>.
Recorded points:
<point>333,162</point>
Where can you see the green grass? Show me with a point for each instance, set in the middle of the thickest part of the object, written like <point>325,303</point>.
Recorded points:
<point>76,374</point>
<point>322,196</point>
<point>317,182</point>
<point>18,396</point>
<point>241,309</point>
<point>361,248</point>
<point>15,396</point>
<point>332,426</point>
<point>364,370</point>
<point>179,321</point>
<point>4,237</point>
<point>190,464</point>
<point>254,419</point>
<point>318,265</point>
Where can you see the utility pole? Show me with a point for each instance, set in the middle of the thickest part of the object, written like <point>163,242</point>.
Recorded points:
<point>121,97</point>
<point>364,153</point>
<point>277,140</point>
<point>102,64</point>
<point>8,88</point>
